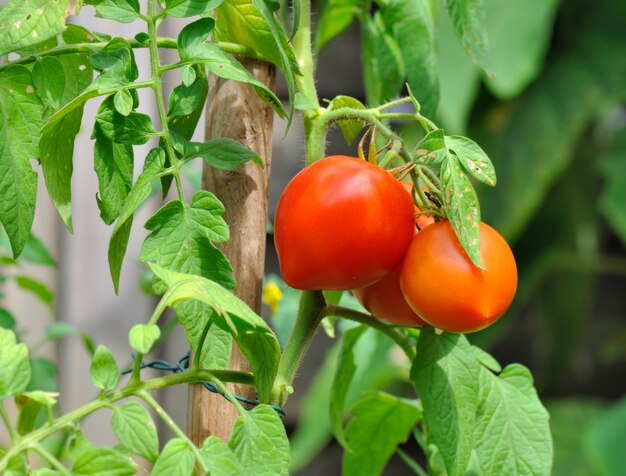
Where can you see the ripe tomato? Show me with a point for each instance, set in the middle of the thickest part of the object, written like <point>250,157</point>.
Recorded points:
<point>445,289</point>
<point>341,223</point>
<point>384,299</point>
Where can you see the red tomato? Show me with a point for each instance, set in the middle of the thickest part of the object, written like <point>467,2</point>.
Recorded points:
<point>446,290</point>
<point>384,299</point>
<point>341,223</point>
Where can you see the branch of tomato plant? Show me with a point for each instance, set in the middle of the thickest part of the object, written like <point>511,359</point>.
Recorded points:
<point>155,67</point>
<point>394,334</point>
<point>52,460</point>
<point>163,415</point>
<point>312,309</point>
<point>22,443</point>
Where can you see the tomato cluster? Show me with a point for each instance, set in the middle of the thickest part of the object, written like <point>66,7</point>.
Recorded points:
<point>345,224</point>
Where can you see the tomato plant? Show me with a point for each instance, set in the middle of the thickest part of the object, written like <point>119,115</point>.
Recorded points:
<point>444,287</point>
<point>341,223</point>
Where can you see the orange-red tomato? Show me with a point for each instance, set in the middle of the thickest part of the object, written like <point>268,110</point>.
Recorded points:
<point>341,223</point>
<point>445,289</point>
<point>384,299</point>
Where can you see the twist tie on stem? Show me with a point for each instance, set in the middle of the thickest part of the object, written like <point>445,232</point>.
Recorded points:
<point>183,364</point>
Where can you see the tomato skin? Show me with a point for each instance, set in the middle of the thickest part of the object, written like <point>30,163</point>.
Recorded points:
<point>384,299</point>
<point>341,223</point>
<point>445,289</point>
<point>386,302</point>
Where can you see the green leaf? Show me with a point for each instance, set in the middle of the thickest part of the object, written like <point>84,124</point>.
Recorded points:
<point>103,462</point>
<point>18,466</point>
<point>26,22</point>
<point>28,410</point>
<point>413,27</point>
<point>346,369</point>
<point>382,418</point>
<point>123,11</point>
<point>18,145</point>
<point>185,99</point>
<point>104,371</point>
<point>468,18</point>
<point>462,207</point>
<point>222,153</point>
<point>336,16</point>
<point>349,128</point>
<point>58,330</point>
<point>113,164</point>
<point>252,334</point>
<point>176,459</point>
<point>134,427</point>
<point>432,148</point>
<point>216,350</point>
<point>189,8</point>
<point>445,374</point>
<point>37,289</point>
<point>181,238</point>
<point>304,103</point>
<point>14,365</point>
<point>559,107</point>
<point>36,252</point>
<point>139,193</point>
<point>219,458</point>
<point>383,66</point>
<point>260,443</point>
<point>116,62</point>
<point>512,432</point>
<point>45,472</point>
<point>56,149</point>
<point>49,80</point>
<point>459,78</point>
<point>43,375</point>
<point>188,75</point>
<point>250,29</point>
<point>519,38</point>
<point>123,102</point>
<point>7,321</point>
<point>473,159</point>
<point>143,336</point>
<point>606,438</point>
<point>136,128</point>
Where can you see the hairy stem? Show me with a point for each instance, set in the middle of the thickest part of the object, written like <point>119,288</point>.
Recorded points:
<point>27,441</point>
<point>163,415</point>
<point>310,313</point>
<point>155,68</point>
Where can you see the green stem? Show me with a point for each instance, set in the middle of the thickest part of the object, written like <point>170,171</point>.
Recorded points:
<point>66,420</point>
<point>158,409</point>
<point>310,313</point>
<point>7,422</point>
<point>155,68</point>
<point>361,317</point>
<point>135,376</point>
<point>198,351</point>
<point>305,84</point>
<point>56,464</point>
<point>411,463</point>
<point>169,43</point>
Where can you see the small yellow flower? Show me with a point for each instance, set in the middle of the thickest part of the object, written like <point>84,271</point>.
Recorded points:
<point>272,295</point>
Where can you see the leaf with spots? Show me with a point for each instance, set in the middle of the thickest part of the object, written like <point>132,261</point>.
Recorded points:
<point>27,22</point>
<point>19,137</point>
<point>462,207</point>
<point>432,148</point>
<point>474,160</point>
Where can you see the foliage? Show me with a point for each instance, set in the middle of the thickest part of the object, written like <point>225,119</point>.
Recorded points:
<point>466,413</point>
